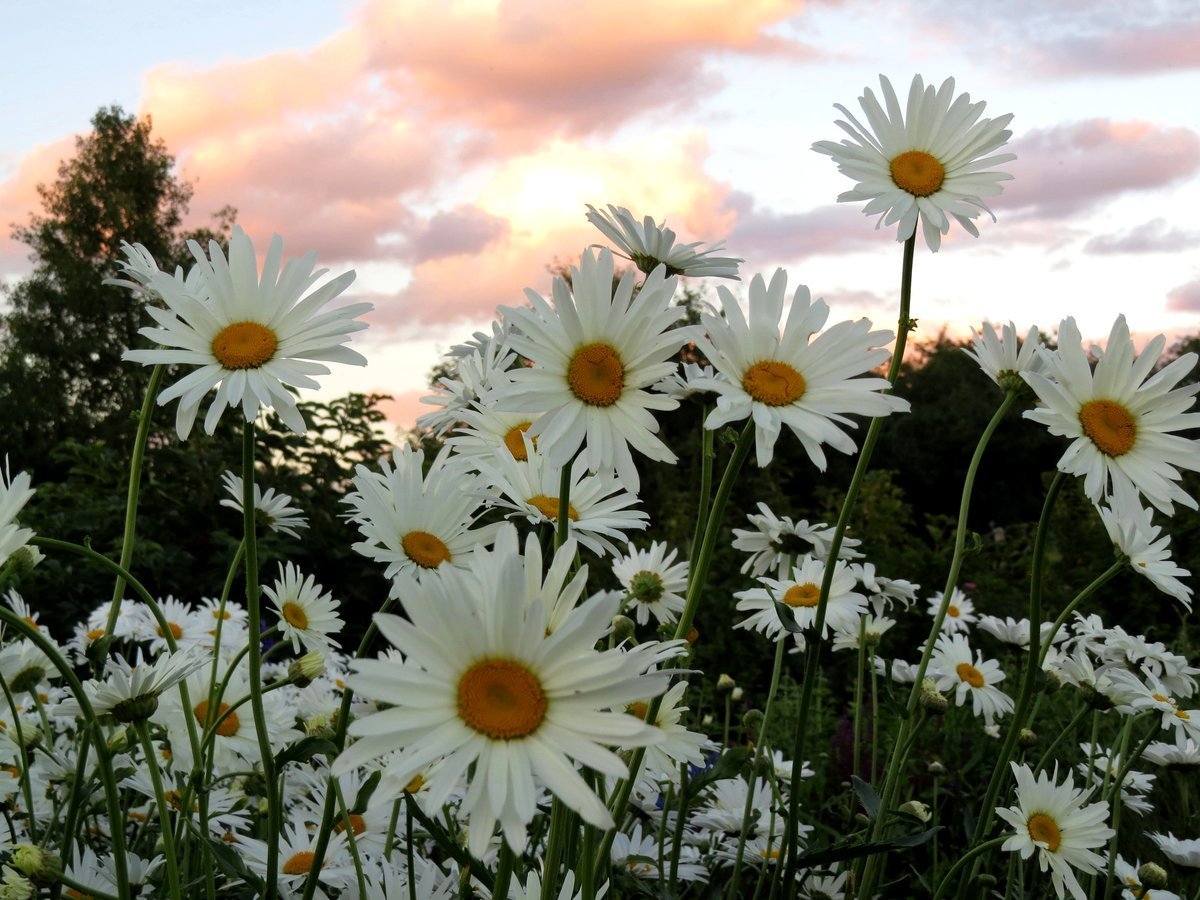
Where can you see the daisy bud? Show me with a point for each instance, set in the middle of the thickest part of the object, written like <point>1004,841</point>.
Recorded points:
<point>1027,738</point>
<point>753,720</point>
<point>736,694</point>
<point>1152,875</point>
<point>706,720</point>
<point>917,809</point>
<point>936,768</point>
<point>862,818</point>
<point>725,684</point>
<point>136,709</point>
<point>622,628</point>
<point>319,725</point>
<point>28,679</point>
<point>40,867</point>
<point>304,671</point>
<point>985,880</point>
<point>933,700</point>
<point>119,740</point>
<point>1094,698</point>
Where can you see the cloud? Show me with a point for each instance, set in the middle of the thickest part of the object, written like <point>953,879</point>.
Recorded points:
<point>761,235</point>
<point>1155,236</point>
<point>1071,169</point>
<point>1185,298</point>
<point>19,198</point>
<point>461,231</point>
<point>404,408</point>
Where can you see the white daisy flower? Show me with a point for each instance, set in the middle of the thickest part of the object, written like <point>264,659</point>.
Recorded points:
<point>478,366</point>
<point>883,592</point>
<point>296,858</point>
<point>1184,755</point>
<point>960,613</point>
<point>482,686</point>
<point>648,245</point>
<point>1056,822</point>
<point>1182,852</point>
<point>1131,528</point>
<point>1004,358</point>
<point>1016,631</point>
<point>637,854</point>
<point>185,624</point>
<point>802,592</point>
<point>130,692</point>
<point>793,378</point>
<point>595,353</point>
<point>1136,787</point>
<point>690,380</point>
<point>954,667</point>
<point>929,161</point>
<point>1127,876</point>
<point>654,582</point>
<point>599,506</point>
<point>251,338</point>
<point>776,542</point>
<point>873,628</point>
<point>679,745</point>
<point>14,494</point>
<point>1120,417</point>
<point>483,430</point>
<point>414,522</point>
<point>307,617</point>
<point>273,509</point>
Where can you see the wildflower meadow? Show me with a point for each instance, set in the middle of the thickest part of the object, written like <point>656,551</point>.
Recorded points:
<point>526,702</point>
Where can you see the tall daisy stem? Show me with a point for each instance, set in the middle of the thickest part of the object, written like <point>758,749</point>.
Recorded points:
<point>255,661</point>
<point>703,498</point>
<point>812,654</point>
<point>166,832</point>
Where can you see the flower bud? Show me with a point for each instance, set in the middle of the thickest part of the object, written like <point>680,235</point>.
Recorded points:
<point>933,701</point>
<point>917,809</point>
<point>725,683</point>
<point>736,694</point>
<point>304,671</point>
<point>753,720</point>
<point>41,867</point>
<point>936,768</point>
<point>1027,738</point>
<point>622,628</point>
<point>1153,876</point>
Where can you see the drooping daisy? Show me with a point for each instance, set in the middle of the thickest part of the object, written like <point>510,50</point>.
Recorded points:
<point>960,611</point>
<point>776,542</point>
<point>1056,822</point>
<point>1184,756</point>
<point>599,507</point>
<point>954,667</point>
<point>14,494</point>
<point>802,592</point>
<point>929,161</point>
<point>649,245</point>
<point>1105,765</point>
<point>679,745</point>
<point>307,617</point>
<point>1180,851</point>
<point>481,685</point>
<point>884,592</point>
<point>130,692</point>
<point>1120,417</point>
<point>653,581</point>
<point>803,378</point>
<point>416,523</point>
<point>272,509</point>
<point>1131,528</point>
<point>250,337</point>
<point>1004,358</point>
<point>872,629</point>
<point>690,380</point>
<point>595,353</point>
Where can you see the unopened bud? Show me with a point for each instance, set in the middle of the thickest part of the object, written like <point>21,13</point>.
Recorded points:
<point>1152,875</point>
<point>119,740</point>
<point>752,720</point>
<point>41,867</point>
<point>622,627</point>
<point>933,701</point>
<point>725,683</point>
<point>917,809</point>
<point>1027,738</point>
<point>1094,699</point>
<point>309,667</point>
<point>936,768</point>
<point>985,880</point>
<point>319,725</point>
<point>736,694</point>
<point>706,720</point>
<point>862,818</point>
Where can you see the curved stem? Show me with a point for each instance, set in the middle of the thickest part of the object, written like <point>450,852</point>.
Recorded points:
<point>1058,738</point>
<point>973,854</point>
<point>1102,579</point>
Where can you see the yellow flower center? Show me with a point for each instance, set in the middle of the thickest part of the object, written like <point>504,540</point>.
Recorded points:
<point>1044,830</point>
<point>244,345</point>
<point>772,855</point>
<point>802,595</point>
<point>1181,714</point>
<point>952,611</point>
<point>354,822</point>
<point>515,442</point>
<point>596,374</point>
<point>295,615</point>
<point>918,172</point>
<point>228,727</point>
<point>414,785</point>
<point>638,709</point>
<point>548,507</point>
<point>95,634</point>
<point>425,549</point>
<point>299,863</point>
<point>970,675</point>
<point>176,631</point>
<point>502,699</point>
<point>1110,426</point>
<point>774,383</point>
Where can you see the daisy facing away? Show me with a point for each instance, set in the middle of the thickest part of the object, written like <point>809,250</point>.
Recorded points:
<point>249,336</point>
<point>803,378</point>
<point>930,161</point>
<point>1120,418</point>
<point>648,245</point>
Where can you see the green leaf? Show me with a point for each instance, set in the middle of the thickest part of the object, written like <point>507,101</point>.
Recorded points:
<point>787,616</point>
<point>365,792</point>
<point>868,796</point>
<point>728,766</point>
<point>853,850</point>
<point>230,862</point>
<point>304,750</point>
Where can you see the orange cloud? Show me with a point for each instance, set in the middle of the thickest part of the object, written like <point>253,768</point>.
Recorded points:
<point>19,196</point>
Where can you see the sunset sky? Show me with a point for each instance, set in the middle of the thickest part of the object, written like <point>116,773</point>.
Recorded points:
<point>446,150</point>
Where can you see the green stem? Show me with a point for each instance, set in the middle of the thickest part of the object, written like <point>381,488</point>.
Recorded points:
<point>973,854</point>
<point>131,500</point>
<point>164,810</point>
<point>813,652</point>
<point>1114,799</point>
<point>560,820</point>
<point>351,840</point>
<point>255,662</point>
<point>1099,582</point>
<point>705,495</point>
<point>680,821</point>
<point>562,524</point>
<point>1058,739</point>
<point>858,693</point>
<point>25,783</point>
<point>504,870</point>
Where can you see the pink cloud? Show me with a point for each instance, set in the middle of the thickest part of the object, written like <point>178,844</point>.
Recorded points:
<point>1126,51</point>
<point>1073,168</point>
<point>1155,236</point>
<point>761,235</point>
<point>1185,298</point>
<point>19,198</point>
<point>404,408</point>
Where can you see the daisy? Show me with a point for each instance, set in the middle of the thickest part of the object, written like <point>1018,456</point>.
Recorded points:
<point>186,625</point>
<point>1131,528</point>
<point>679,745</point>
<point>637,854</point>
<point>481,686</point>
<point>930,161</point>
<point>306,616</point>
<point>883,592</point>
<point>595,353</point>
<point>1184,755</point>
<point>599,506</point>
<point>691,380</point>
<point>1004,358</point>
<point>960,612</point>
<point>953,666</point>
<point>653,584</point>
<point>1179,851</point>
<point>272,509</point>
<point>873,628</point>
<point>794,378</point>
<point>777,541</point>
<point>414,522</point>
<point>648,246</point>
<point>14,494</point>
<point>250,337</point>
<point>130,692</point>
<point>1129,876</point>
<point>483,430</point>
<point>477,367</point>
<point>801,593</point>
<point>1120,417</point>
<point>1056,822</point>
<point>297,858</point>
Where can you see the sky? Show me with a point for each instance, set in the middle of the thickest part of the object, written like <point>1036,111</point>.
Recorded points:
<point>446,151</point>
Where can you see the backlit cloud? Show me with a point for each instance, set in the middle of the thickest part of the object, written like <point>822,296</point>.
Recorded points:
<point>1185,298</point>
<point>1155,236</point>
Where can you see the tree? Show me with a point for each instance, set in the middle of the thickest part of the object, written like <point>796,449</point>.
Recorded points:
<point>61,374</point>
